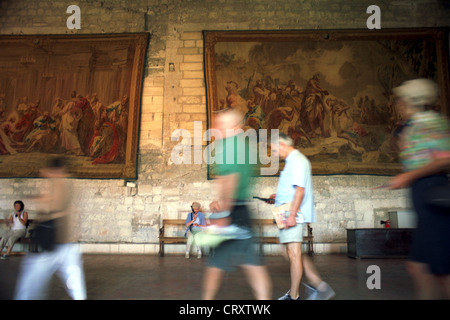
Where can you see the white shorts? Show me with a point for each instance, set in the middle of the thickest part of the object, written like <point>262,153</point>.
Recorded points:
<point>293,234</point>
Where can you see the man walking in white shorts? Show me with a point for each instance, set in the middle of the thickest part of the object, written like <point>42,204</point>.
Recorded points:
<point>295,197</point>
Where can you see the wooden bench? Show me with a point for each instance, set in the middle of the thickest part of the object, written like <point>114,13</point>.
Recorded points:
<point>28,235</point>
<point>260,226</point>
<point>163,239</point>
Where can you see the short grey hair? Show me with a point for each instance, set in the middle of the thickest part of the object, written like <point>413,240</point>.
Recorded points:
<point>196,205</point>
<point>285,139</point>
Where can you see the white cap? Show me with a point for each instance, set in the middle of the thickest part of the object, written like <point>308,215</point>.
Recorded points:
<point>418,92</point>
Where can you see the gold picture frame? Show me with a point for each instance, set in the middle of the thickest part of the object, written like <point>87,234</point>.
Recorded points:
<point>330,90</point>
<point>76,96</point>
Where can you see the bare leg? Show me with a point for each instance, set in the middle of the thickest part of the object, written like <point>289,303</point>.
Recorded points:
<point>294,251</point>
<point>424,281</point>
<point>444,282</point>
<point>212,281</point>
<point>8,251</point>
<point>260,282</point>
<point>311,271</point>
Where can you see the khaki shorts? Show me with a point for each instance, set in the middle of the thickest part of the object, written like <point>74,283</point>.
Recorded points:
<point>293,234</point>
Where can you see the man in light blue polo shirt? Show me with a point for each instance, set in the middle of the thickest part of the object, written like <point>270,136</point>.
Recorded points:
<point>295,197</point>
<point>296,173</point>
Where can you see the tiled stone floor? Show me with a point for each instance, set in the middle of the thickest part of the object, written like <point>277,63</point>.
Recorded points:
<point>140,277</point>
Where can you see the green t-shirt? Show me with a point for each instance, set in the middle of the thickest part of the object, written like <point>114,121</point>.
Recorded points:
<point>233,157</point>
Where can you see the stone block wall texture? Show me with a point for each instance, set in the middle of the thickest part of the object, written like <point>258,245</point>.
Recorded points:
<point>117,217</point>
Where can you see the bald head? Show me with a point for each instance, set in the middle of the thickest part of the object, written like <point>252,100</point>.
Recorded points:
<point>229,119</point>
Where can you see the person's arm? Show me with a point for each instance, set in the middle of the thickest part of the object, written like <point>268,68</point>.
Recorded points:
<point>271,199</point>
<point>188,221</point>
<point>193,222</point>
<point>405,179</point>
<point>25,218</point>
<point>295,206</point>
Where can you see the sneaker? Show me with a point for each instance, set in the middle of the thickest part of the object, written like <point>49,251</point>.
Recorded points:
<point>186,255</point>
<point>315,294</point>
<point>309,289</point>
<point>287,296</point>
<point>4,257</point>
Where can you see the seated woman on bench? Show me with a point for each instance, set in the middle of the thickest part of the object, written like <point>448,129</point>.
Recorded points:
<point>18,222</point>
<point>194,221</point>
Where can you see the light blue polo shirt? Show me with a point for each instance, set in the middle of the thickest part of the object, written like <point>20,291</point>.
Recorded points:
<point>297,172</point>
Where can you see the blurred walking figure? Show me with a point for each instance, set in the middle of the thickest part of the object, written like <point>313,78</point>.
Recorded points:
<point>234,191</point>
<point>295,202</point>
<point>425,156</point>
<point>59,251</point>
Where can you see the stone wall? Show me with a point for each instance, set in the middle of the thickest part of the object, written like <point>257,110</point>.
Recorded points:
<point>117,218</point>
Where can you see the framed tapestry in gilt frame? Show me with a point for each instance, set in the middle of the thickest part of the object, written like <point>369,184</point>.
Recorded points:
<point>330,90</point>
<point>76,96</point>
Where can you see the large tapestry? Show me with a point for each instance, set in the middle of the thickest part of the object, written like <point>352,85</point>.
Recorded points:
<point>331,91</point>
<point>75,96</point>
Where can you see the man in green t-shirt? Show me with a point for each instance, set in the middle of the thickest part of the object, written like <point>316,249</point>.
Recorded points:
<point>233,171</point>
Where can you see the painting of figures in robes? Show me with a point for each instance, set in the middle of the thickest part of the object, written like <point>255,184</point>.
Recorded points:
<point>330,91</point>
<point>73,96</point>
